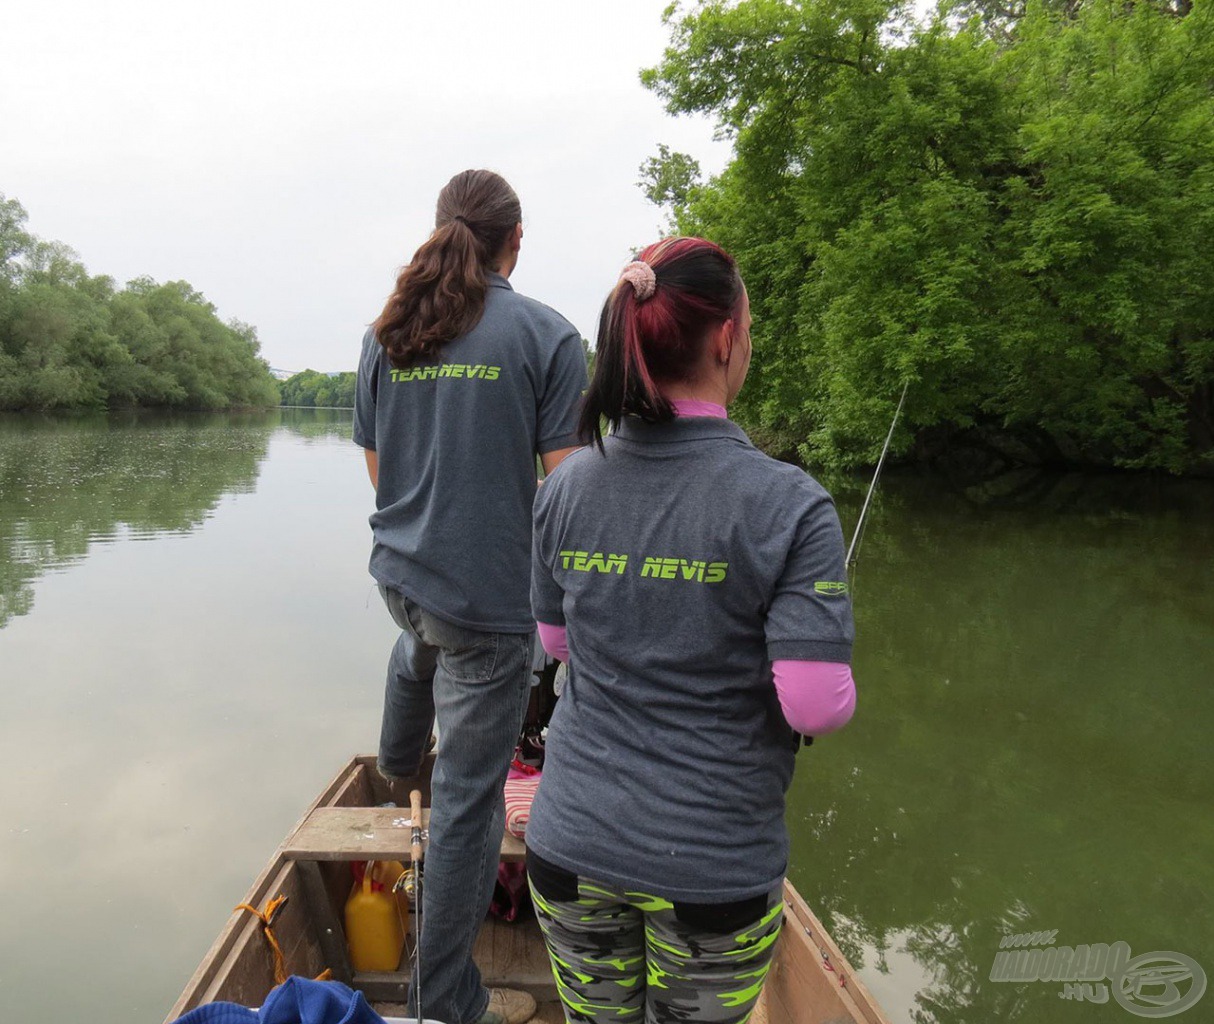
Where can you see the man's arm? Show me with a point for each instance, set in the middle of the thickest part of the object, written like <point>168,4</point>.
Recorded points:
<point>557,418</point>
<point>372,466</point>
<point>550,459</point>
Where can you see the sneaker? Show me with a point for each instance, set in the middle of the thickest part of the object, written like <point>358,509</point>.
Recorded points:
<point>508,1006</point>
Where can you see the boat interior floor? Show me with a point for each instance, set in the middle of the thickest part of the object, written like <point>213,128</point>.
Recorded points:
<point>512,955</point>
<point>551,1012</point>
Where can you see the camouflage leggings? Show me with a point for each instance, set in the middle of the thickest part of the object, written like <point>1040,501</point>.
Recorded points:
<point>627,957</point>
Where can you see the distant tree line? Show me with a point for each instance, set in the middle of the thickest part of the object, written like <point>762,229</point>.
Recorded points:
<point>1006,207</point>
<point>313,388</point>
<point>336,391</point>
<point>69,340</point>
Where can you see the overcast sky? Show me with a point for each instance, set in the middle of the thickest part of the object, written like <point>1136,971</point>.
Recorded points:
<point>285,158</point>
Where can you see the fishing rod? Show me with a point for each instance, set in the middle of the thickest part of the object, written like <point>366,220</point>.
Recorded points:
<point>853,550</point>
<point>411,882</point>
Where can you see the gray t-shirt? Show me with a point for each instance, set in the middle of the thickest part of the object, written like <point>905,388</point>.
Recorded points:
<point>682,564</point>
<point>456,442</point>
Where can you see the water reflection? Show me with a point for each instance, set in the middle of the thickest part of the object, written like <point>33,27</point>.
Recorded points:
<point>318,423</point>
<point>1030,750</point>
<point>1031,747</point>
<point>171,703</point>
<point>67,483</point>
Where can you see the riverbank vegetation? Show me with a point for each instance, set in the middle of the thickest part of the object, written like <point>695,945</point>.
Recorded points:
<point>322,390</point>
<point>1006,207</point>
<point>69,340</point>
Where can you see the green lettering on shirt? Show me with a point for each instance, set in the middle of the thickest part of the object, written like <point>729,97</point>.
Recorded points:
<point>597,561</point>
<point>656,567</point>
<point>466,371</point>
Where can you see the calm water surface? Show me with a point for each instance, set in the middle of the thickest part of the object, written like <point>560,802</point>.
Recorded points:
<point>190,647</point>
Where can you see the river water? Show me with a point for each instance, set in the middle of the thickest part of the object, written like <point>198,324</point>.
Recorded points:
<point>190,647</point>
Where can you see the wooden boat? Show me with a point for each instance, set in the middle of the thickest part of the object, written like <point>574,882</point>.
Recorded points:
<point>810,981</point>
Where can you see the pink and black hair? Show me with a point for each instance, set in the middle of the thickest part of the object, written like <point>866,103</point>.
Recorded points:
<point>644,343</point>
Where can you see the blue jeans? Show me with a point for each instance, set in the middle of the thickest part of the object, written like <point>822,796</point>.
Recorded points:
<point>476,686</point>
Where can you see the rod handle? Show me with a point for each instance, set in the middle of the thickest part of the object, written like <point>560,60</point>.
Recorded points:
<point>415,812</point>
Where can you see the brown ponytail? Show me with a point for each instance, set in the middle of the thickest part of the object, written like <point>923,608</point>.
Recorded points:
<point>440,295</point>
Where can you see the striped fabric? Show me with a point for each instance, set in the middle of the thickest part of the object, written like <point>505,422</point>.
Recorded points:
<point>520,791</point>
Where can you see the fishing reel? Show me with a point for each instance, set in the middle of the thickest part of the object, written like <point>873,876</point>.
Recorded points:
<point>410,884</point>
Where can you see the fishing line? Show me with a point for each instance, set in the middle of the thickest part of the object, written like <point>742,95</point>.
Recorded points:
<point>853,551</point>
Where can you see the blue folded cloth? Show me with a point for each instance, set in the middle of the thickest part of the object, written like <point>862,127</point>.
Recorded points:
<point>296,1001</point>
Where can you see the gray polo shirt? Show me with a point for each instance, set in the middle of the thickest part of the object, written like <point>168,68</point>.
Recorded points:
<point>682,564</point>
<point>456,442</point>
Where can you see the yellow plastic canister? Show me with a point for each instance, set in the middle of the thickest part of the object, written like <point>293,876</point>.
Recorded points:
<point>375,921</point>
<point>387,872</point>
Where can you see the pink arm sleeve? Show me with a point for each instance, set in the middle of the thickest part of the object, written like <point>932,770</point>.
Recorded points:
<point>817,697</point>
<point>556,642</point>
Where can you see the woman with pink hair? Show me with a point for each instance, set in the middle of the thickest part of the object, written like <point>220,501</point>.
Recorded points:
<point>697,590</point>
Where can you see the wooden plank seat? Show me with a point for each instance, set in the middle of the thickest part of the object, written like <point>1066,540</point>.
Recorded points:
<point>350,833</point>
<point>366,833</point>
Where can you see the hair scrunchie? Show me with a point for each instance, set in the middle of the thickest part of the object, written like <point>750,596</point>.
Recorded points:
<point>640,275</point>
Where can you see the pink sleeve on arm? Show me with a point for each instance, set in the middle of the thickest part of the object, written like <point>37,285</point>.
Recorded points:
<point>556,642</point>
<point>817,697</point>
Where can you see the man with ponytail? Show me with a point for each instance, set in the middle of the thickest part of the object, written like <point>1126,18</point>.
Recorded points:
<point>697,590</point>
<point>461,384</point>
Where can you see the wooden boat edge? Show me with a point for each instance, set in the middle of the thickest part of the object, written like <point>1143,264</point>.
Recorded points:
<point>242,928</point>
<point>809,966</point>
<point>805,937</point>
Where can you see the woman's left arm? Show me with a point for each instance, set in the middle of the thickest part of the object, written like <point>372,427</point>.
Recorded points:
<point>809,627</point>
<point>816,697</point>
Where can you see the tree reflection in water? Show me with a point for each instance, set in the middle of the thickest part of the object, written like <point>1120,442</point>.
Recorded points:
<point>67,483</point>
<point>1030,747</point>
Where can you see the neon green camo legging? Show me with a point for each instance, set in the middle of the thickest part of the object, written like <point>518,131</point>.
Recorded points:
<point>628,957</point>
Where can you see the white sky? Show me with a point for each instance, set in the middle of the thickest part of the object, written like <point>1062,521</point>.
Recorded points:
<point>285,158</point>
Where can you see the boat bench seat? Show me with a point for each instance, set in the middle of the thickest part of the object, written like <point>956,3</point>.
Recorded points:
<point>366,833</point>
<point>360,833</point>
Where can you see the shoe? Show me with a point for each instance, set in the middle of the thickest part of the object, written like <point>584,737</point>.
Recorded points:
<point>508,1006</point>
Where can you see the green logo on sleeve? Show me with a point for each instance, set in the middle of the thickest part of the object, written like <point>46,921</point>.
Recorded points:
<point>830,588</point>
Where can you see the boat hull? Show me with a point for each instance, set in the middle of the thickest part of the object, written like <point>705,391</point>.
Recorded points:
<point>810,981</point>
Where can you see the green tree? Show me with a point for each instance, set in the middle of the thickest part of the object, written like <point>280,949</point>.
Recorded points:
<point>313,388</point>
<point>14,240</point>
<point>1010,218</point>
<point>588,352</point>
<point>69,340</point>
<point>669,178</point>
